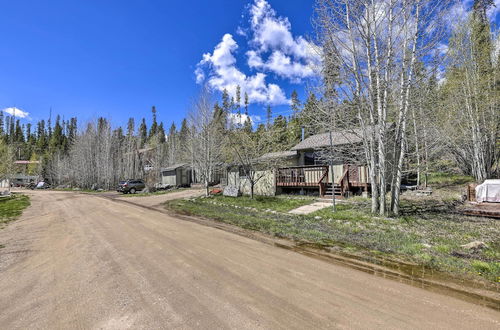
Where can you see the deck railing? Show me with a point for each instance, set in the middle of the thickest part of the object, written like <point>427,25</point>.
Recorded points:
<point>344,182</point>
<point>303,176</point>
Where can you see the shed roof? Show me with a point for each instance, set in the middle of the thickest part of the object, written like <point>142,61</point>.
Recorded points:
<point>174,167</point>
<point>323,140</point>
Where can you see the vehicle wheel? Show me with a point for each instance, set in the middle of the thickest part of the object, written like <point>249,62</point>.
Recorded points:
<point>132,191</point>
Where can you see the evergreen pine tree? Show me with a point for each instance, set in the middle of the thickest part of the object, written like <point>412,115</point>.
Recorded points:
<point>1,124</point>
<point>18,134</point>
<point>246,103</point>
<point>130,127</point>
<point>161,133</point>
<point>226,101</point>
<point>12,130</point>
<point>143,133</point>
<point>269,116</point>
<point>295,103</point>
<point>183,140</point>
<point>154,126</point>
<point>238,97</point>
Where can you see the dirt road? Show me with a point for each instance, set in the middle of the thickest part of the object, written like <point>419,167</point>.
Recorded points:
<point>76,261</point>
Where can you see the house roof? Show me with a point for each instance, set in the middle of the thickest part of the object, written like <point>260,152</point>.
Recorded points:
<point>279,154</point>
<point>323,140</point>
<point>174,167</point>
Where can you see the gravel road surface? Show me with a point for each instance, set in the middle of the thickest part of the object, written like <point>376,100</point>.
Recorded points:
<point>80,261</point>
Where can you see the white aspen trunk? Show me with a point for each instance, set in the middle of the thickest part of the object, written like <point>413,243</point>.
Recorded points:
<point>417,146</point>
<point>399,172</point>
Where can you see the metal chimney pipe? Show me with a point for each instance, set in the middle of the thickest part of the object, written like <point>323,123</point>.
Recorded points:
<point>303,133</point>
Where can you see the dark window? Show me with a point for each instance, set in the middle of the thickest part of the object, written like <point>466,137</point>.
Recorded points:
<point>243,171</point>
<point>309,158</point>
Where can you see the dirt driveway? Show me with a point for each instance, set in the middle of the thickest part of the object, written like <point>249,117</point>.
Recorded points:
<point>77,261</point>
<point>158,200</point>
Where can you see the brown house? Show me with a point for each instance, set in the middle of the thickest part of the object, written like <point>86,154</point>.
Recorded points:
<point>310,169</point>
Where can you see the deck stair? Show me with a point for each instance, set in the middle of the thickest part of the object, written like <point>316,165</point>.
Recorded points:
<point>336,189</point>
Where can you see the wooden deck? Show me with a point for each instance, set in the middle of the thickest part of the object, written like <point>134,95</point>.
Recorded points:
<point>317,177</point>
<point>490,210</point>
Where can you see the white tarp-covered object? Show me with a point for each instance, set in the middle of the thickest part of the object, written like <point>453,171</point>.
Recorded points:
<point>489,191</point>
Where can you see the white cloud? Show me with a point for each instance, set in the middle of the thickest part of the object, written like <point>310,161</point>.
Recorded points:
<point>460,10</point>
<point>200,75</point>
<point>272,49</point>
<point>494,10</point>
<point>441,49</point>
<point>287,57</point>
<point>13,111</point>
<point>241,32</point>
<point>241,119</point>
<point>225,75</point>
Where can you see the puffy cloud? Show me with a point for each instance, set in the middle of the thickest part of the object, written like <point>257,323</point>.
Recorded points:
<point>236,119</point>
<point>275,48</point>
<point>459,10</point>
<point>225,75</point>
<point>241,32</point>
<point>13,111</point>
<point>272,49</point>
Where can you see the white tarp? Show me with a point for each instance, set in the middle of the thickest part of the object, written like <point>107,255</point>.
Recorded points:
<point>489,191</point>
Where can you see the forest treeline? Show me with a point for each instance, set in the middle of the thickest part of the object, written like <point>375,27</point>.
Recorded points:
<point>96,153</point>
<point>422,97</point>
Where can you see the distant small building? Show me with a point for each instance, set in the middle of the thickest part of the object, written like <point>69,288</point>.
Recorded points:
<point>21,180</point>
<point>178,175</point>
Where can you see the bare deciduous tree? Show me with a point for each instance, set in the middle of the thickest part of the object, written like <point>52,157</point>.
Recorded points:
<point>376,45</point>
<point>246,150</point>
<point>206,139</point>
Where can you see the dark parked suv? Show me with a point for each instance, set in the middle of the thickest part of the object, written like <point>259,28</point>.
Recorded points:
<point>130,186</point>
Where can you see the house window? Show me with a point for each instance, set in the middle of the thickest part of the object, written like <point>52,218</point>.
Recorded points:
<point>168,173</point>
<point>309,158</point>
<point>243,170</point>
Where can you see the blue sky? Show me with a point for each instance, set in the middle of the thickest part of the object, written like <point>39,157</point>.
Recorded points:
<point>118,58</point>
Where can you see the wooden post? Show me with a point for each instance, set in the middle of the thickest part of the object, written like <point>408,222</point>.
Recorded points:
<point>331,167</point>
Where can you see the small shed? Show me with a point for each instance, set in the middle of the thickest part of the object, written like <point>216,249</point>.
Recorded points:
<point>178,175</point>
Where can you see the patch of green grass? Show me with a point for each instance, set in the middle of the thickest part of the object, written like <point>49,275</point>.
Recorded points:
<point>11,207</point>
<point>448,179</point>
<point>279,204</point>
<point>443,249</point>
<point>490,270</point>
